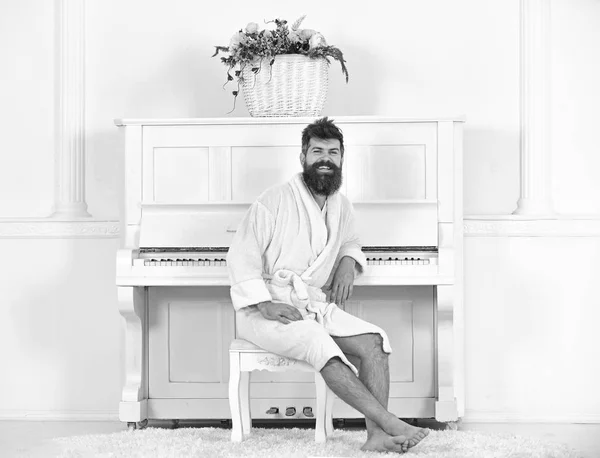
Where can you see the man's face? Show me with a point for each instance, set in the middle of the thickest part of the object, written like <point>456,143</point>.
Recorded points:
<point>322,166</point>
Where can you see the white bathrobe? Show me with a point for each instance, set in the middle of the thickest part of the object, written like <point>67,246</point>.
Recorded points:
<point>285,250</point>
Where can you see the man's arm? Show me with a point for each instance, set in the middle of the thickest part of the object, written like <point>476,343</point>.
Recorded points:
<point>351,246</point>
<point>245,266</point>
<point>245,257</point>
<point>342,284</point>
<point>279,311</point>
<point>351,262</point>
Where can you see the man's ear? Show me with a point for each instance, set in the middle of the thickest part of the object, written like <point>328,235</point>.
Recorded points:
<point>302,159</point>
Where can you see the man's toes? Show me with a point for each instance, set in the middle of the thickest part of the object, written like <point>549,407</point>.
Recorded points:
<point>418,437</point>
<point>398,440</point>
<point>398,444</point>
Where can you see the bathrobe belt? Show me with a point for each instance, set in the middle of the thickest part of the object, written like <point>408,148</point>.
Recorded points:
<point>287,286</point>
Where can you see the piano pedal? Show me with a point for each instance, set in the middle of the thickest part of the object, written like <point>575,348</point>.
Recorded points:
<point>290,411</point>
<point>339,423</point>
<point>272,411</point>
<point>308,412</point>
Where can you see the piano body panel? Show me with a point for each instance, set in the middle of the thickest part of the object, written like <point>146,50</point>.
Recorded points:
<point>226,156</point>
<point>188,408</point>
<point>190,328</point>
<point>188,184</point>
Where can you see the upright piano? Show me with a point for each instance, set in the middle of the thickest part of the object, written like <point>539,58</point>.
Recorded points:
<point>187,184</point>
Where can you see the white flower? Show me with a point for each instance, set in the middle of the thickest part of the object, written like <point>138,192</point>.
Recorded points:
<point>252,27</point>
<point>236,39</point>
<point>294,37</point>
<point>267,34</point>
<point>305,34</point>
<point>316,41</point>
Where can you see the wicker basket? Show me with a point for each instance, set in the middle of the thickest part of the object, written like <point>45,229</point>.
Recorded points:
<point>295,85</point>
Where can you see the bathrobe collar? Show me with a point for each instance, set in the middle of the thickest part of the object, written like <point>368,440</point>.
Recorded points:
<point>323,246</point>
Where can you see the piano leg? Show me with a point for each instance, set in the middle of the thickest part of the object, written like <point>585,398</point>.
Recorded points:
<point>446,409</point>
<point>134,400</point>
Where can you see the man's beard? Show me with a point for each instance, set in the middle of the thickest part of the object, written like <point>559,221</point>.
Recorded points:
<point>321,183</point>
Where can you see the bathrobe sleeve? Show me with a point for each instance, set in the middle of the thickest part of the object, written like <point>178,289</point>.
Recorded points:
<point>245,257</point>
<point>351,244</point>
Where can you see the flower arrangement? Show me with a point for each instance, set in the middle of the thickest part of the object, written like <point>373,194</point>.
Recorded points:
<point>252,46</point>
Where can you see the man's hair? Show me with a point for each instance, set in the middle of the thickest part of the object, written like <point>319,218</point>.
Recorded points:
<point>323,129</point>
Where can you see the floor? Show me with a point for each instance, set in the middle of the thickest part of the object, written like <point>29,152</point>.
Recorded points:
<point>29,439</point>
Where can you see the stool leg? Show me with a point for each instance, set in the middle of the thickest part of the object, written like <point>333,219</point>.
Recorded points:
<point>245,403</point>
<point>234,397</point>
<point>329,412</point>
<point>321,388</point>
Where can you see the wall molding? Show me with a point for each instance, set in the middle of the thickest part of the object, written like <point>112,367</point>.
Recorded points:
<point>514,226</point>
<point>51,229</point>
<point>536,198</point>
<point>69,200</point>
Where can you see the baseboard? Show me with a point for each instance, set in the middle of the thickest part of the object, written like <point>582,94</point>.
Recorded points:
<point>60,415</point>
<point>482,416</point>
<point>471,416</point>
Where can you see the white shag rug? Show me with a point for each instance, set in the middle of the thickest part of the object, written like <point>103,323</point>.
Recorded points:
<point>298,443</point>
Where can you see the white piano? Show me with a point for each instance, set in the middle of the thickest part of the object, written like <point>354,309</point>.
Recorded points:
<point>188,182</point>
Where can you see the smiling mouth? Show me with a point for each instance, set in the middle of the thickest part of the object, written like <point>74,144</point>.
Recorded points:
<point>327,170</point>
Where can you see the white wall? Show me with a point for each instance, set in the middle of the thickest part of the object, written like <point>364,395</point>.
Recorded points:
<point>575,101</point>
<point>529,305</point>
<point>26,107</point>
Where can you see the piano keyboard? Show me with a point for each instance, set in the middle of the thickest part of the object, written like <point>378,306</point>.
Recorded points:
<point>198,266</point>
<point>170,262</point>
<point>206,262</point>
<point>406,261</point>
<point>200,259</point>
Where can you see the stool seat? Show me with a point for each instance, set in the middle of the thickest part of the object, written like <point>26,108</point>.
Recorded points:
<point>244,345</point>
<point>245,357</point>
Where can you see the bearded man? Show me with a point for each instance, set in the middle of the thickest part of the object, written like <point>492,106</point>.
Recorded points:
<point>295,241</point>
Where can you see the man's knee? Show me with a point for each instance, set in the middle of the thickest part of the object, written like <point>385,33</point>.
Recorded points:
<point>334,361</point>
<point>373,346</point>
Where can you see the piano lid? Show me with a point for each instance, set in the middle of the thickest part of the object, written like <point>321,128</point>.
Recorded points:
<point>213,225</point>
<point>190,225</point>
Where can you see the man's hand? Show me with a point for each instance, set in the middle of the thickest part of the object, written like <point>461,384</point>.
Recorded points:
<point>343,282</point>
<point>280,312</point>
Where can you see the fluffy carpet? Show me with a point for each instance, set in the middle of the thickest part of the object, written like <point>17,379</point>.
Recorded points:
<point>296,442</point>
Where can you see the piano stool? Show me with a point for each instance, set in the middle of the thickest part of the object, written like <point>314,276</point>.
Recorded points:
<point>245,357</point>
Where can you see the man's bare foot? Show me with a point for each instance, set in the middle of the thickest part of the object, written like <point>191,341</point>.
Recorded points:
<point>413,434</point>
<point>386,443</point>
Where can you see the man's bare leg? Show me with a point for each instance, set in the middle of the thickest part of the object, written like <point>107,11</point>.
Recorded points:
<point>377,438</point>
<point>366,353</point>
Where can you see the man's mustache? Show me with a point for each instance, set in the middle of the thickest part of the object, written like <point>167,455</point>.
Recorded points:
<point>331,165</point>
